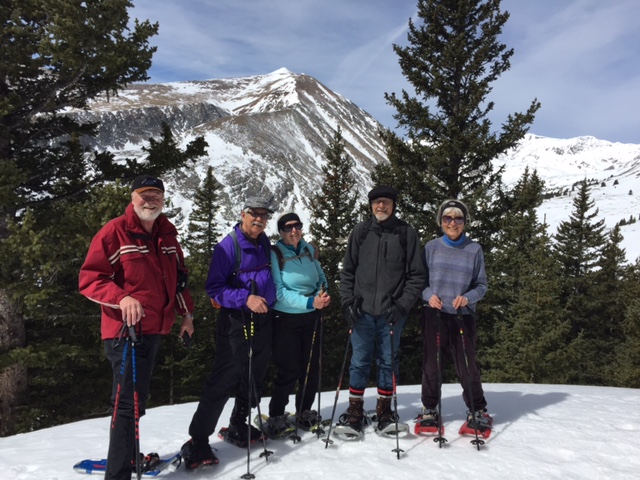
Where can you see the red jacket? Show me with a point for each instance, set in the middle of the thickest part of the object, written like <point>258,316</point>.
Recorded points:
<point>125,260</point>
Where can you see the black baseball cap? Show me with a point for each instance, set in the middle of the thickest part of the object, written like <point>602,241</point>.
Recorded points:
<point>143,183</point>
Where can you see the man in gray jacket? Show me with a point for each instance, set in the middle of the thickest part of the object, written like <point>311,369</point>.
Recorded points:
<point>382,277</point>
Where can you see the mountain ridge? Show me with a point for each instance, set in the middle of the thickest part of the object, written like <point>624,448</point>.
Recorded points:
<point>267,135</point>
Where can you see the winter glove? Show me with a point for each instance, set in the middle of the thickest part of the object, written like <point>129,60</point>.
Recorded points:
<point>352,312</point>
<point>394,314</point>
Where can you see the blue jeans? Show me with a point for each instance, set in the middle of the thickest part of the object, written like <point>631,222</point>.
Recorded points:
<point>372,334</point>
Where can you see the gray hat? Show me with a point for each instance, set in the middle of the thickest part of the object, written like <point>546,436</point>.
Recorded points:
<point>258,202</point>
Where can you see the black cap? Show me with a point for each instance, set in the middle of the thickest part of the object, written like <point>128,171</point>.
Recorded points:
<point>147,182</point>
<point>383,191</point>
<point>452,203</point>
<point>287,217</point>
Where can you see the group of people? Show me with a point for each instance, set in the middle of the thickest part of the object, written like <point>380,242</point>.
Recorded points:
<point>270,300</point>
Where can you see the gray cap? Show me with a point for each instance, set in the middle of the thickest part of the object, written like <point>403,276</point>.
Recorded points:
<point>258,202</point>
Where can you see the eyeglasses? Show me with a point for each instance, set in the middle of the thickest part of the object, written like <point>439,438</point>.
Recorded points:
<point>264,215</point>
<point>448,219</point>
<point>289,228</point>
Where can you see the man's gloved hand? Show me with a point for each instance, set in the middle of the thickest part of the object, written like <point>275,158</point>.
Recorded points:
<point>394,314</point>
<point>352,312</point>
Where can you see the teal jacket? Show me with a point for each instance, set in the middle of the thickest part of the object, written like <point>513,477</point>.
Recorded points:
<point>299,280</point>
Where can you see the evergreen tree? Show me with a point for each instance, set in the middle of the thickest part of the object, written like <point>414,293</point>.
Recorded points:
<point>613,288</point>
<point>625,370</point>
<point>452,60</point>
<point>526,341</point>
<point>579,243</point>
<point>186,369</point>
<point>55,55</point>
<point>333,213</point>
<point>63,328</point>
<point>62,344</point>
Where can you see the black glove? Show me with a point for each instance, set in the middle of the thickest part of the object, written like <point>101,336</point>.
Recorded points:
<point>394,314</point>
<point>352,312</point>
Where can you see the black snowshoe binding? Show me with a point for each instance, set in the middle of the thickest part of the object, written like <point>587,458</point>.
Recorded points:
<point>198,454</point>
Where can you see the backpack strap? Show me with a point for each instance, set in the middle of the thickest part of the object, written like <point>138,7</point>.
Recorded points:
<point>237,250</point>
<point>282,260</point>
<point>275,249</point>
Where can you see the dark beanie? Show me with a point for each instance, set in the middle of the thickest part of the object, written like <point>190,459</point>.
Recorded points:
<point>287,217</point>
<point>383,191</point>
<point>452,203</point>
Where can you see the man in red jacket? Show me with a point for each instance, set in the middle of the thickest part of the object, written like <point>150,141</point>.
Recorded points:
<point>133,270</point>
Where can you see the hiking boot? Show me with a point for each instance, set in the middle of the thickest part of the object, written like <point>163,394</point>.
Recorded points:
<point>278,425</point>
<point>354,415</point>
<point>308,419</point>
<point>239,433</point>
<point>238,424</point>
<point>428,417</point>
<point>197,453</point>
<point>478,419</point>
<point>384,414</point>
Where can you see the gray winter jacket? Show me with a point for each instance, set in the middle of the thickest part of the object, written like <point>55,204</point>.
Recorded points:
<point>382,265</point>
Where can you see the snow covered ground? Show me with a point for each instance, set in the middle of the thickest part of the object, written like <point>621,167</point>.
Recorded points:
<point>540,431</point>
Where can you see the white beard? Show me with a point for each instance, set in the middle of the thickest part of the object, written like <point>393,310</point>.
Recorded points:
<point>147,215</point>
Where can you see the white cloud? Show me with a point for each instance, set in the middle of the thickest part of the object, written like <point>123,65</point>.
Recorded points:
<point>579,57</point>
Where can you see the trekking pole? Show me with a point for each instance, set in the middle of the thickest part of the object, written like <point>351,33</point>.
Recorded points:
<point>397,450</point>
<point>123,362</point>
<point>439,439</point>
<point>294,436</point>
<point>477,441</point>
<point>328,440</point>
<point>265,453</point>
<point>136,400</point>
<point>248,335</point>
<point>320,430</point>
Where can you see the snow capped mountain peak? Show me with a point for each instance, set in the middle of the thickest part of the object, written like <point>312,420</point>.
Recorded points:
<point>267,135</point>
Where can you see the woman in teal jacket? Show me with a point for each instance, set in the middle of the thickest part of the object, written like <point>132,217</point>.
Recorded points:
<point>300,295</point>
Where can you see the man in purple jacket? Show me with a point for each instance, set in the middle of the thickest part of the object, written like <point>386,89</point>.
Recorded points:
<point>240,284</point>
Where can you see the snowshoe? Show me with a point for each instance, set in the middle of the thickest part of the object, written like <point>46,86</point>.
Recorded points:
<point>98,467</point>
<point>198,454</point>
<point>481,421</point>
<point>307,420</point>
<point>351,430</point>
<point>274,427</point>
<point>238,435</point>
<point>426,423</point>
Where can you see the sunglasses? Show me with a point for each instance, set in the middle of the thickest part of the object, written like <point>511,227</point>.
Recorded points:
<point>263,215</point>
<point>448,219</point>
<point>289,228</point>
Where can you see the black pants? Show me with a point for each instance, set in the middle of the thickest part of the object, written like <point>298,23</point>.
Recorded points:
<point>122,440</point>
<point>450,337</point>
<point>230,368</point>
<point>293,336</point>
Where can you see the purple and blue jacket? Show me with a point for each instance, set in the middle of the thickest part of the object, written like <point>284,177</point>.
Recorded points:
<point>231,289</point>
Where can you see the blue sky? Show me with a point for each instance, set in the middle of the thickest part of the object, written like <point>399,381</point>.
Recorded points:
<point>580,58</point>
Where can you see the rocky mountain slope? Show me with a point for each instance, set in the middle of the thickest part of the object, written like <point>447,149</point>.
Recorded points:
<point>267,135</point>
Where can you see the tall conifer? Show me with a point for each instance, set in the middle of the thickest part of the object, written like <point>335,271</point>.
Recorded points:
<point>453,58</point>
<point>333,213</point>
